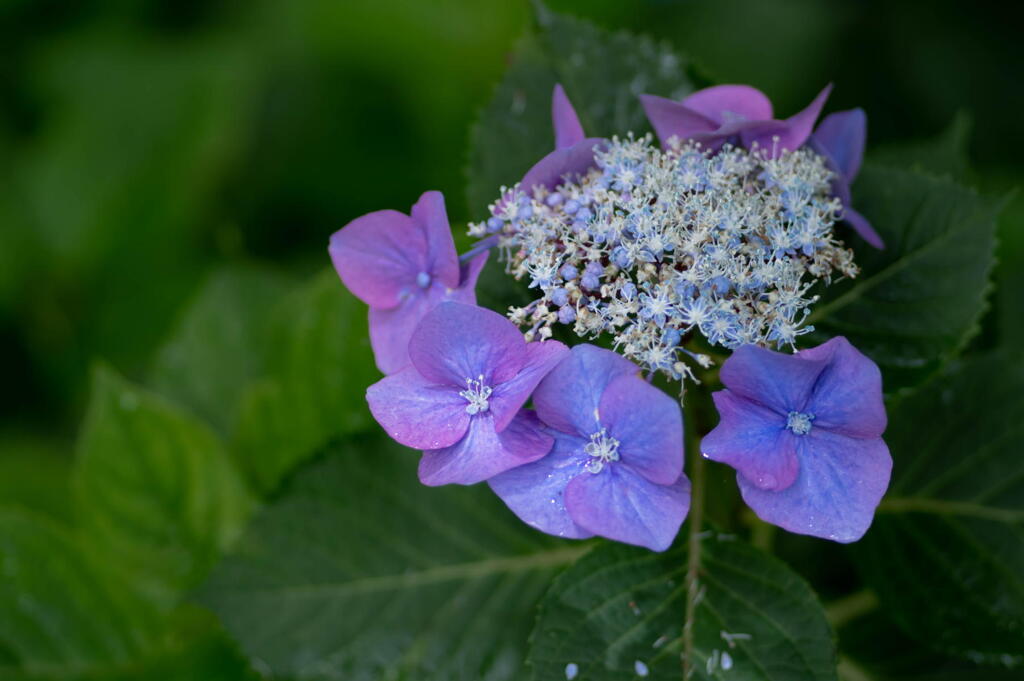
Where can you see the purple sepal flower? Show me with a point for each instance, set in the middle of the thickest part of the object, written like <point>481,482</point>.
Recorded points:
<point>738,114</point>
<point>616,468</point>
<point>804,434</point>
<point>840,138</point>
<point>402,266</point>
<point>460,398</point>
<point>573,154</point>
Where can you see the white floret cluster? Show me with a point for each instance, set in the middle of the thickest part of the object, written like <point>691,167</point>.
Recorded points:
<point>651,246</point>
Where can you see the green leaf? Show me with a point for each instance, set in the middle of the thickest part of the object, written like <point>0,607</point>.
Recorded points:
<point>360,572</point>
<point>876,648</point>
<point>119,179</point>
<point>62,608</point>
<point>620,610</point>
<point>155,488</point>
<point>602,72</point>
<point>35,474</point>
<point>946,552</point>
<point>916,303</point>
<point>320,364</point>
<point>216,349</point>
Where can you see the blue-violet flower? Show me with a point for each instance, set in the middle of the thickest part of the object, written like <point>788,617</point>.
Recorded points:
<point>402,266</point>
<point>616,468</point>
<point>460,399</point>
<point>804,433</point>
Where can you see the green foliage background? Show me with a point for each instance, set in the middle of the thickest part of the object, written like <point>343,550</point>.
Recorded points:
<point>174,349</point>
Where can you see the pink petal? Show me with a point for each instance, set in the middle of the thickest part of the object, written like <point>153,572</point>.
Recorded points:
<point>509,397</point>
<point>456,342</point>
<point>379,255</point>
<point>416,412</point>
<point>442,261</point>
<point>484,453</point>
<point>568,130</point>
<point>741,100</point>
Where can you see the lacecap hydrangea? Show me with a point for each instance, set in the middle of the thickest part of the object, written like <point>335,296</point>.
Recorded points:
<point>717,238</point>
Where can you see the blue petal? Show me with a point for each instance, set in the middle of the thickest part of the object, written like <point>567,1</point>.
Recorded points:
<point>648,425</point>
<point>534,491</point>
<point>834,497</point>
<point>621,504</point>
<point>752,439</point>
<point>568,397</point>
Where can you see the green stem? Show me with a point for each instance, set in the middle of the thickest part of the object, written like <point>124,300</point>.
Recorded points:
<point>696,471</point>
<point>851,607</point>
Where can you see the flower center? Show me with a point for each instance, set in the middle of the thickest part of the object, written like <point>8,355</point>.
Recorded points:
<point>476,393</point>
<point>423,280</point>
<point>602,449</point>
<point>799,422</point>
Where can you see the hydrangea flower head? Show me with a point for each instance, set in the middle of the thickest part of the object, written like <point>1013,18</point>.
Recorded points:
<point>652,246</point>
<point>840,137</point>
<point>616,468</point>
<point>460,398</point>
<point>735,114</point>
<point>402,266</point>
<point>804,433</point>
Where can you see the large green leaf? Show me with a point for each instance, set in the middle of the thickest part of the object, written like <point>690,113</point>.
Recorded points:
<point>946,552</point>
<point>358,572</point>
<point>602,72</point>
<point>156,489</point>
<point>618,614</point>
<point>217,347</point>
<point>62,608</point>
<point>917,302</point>
<point>319,365</point>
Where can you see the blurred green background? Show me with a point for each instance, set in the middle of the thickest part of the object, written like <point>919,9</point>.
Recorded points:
<point>144,143</point>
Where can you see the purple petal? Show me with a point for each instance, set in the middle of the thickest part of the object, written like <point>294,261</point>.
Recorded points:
<point>551,170</point>
<point>752,439</point>
<point>534,492</point>
<point>840,484</point>
<point>391,329</point>
<point>847,397</point>
<point>841,136</point>
<point>861,225</point>
<point>718,102</point>
<point>620,504</point>
<point>456,342</point>
<point>669,118</point>
<point>442,260</point>
<point>568,397</point>
<point>648,425</point>
<point>776,380</point>
<point>416,412</point>
<point>484,453</point>
<point>510,396</point>
<point>568,130</point>
<point>791,133</point>
<point>379,255</point>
